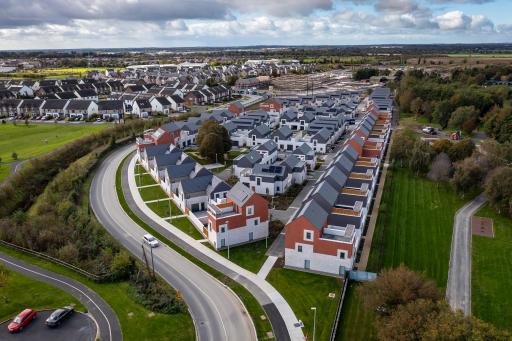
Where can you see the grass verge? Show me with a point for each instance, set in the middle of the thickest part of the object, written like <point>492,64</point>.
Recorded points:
<point>22,292</point>
<point>355,323</point>
<point>251,304</point>
<point>309,290</point>
<point>492,272</point>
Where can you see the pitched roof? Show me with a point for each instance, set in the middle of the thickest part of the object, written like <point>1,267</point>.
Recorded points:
<point>240,193</point>
<point>314,213</point>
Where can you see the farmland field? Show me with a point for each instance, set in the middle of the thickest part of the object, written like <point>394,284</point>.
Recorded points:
<point>492,272</point>
<point>76,72</point>
<point>33,140</point>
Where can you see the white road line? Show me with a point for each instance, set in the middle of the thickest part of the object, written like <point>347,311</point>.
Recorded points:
<point>72,286</point>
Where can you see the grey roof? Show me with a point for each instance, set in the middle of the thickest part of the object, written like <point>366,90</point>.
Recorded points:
<point>167,159</point>
<point>111,105</point>
<point>322,136</point>
<point>351,153</point>
<point>303,149</point>
<point>240,193</point>
<point>314,212</point>
<point>283,133</point>
<point>55,104</point>
<point>249,159</point>
<point>196,184</point>
<point>269,146</point>
<point>260,131</point>
<point>163,101</point>
<point>180,171</point>
<point>293,162</point>
<point>79,105</point>
<point>327,192</point>
<point>220,187</point>
<point>158,149</point>
<point>270,171</point>
<point>335,177</point>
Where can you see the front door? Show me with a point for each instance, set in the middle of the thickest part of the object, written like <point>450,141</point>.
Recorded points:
<point>306,264</point>
<point>251,235</point>
<point>222,243</point>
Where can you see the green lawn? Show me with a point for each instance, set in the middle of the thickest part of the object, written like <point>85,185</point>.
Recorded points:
<point>185,225</point>
<point>415,225</point>
<point>4,170</point>
<point>355,322</point>
<point>152,193</point>
<point>304,290</point>
<point>37,139</point>
<point>195,156</point>
<point>253,307</point>
<point>162,208</point>
<point>144,180</point>
<point>249,256</point>
<point>492,272</point>
<point>137,322</point>
<point>22,292</point>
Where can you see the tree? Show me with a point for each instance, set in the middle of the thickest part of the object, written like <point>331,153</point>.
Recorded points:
<point>213,141</point>
<point>441,168</point>
<point>420,158</point>
<point>394,287</point>
<point>14,156</point>
<point>464,118</point>
<point>441,146</point>
<point>469,174</point>
<point>498,189</point>
<point>211,82</point>
<point>365,73</point>
<point>403,142</point>
<point>461,150</point>
<point>405,99</point>
<point>232,80</point>
<point>442,113</point>
<point>416,106</point>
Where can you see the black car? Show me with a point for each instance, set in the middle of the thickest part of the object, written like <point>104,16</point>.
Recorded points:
<point>58,316</point>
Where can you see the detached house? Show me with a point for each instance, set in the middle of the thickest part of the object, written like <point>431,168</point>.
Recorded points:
<point>141,107</point>
<point>241,217</point>
<point>160,104</point>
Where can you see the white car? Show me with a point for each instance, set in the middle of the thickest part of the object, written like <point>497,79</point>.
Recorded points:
<point>150,241</point>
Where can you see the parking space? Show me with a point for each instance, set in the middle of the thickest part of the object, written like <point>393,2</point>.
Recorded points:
<point>77,327</point>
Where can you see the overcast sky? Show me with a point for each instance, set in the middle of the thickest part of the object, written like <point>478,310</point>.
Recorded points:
<point>36,24</point>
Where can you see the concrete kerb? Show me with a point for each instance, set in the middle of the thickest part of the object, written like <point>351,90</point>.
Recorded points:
<point>275,297</point>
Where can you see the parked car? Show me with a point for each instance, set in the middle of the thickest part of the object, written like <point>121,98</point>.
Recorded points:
<point>429,130</point>
<point>150,241</point>
<point>22,320</point>
<point>56,318</point>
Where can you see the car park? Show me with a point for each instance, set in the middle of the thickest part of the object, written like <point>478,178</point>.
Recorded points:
<point>150,241</point>
<point>22,320</point>
<point>59,315</point>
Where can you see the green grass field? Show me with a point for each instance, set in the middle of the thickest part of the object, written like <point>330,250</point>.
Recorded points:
<point>186,226</point>
<point>304,290</point>
<point>355,321</point>
<point>76,72</point>
<point>37,139</point>
<point>415,225</point>
<point>22,292</point>
<point>249,256</point>
<point>492,272</point>
<point>162,208</point>
<point>152,193</point>
<point>144,179</point>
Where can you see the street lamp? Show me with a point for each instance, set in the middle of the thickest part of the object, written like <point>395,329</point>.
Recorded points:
<point>314,322</point>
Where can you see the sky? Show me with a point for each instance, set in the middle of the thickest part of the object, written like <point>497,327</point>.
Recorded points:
<point>54,24</point>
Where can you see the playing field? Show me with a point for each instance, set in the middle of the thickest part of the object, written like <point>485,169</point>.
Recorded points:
<point>32,140</point>
<point>492,272</point>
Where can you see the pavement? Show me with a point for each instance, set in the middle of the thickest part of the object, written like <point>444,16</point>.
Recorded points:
<point>105,317</point>
<point>77,327</point>
<point>458,289</point>
<point>279,312</point>
<point>217,312</point>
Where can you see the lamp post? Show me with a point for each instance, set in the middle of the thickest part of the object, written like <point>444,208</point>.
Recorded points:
<point>314,322</point>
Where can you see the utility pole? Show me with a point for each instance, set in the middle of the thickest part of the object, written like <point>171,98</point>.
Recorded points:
<point>152,262</point>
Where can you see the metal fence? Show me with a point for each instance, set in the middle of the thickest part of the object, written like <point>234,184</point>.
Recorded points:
<point>91,276</point>
<point>338,311</point>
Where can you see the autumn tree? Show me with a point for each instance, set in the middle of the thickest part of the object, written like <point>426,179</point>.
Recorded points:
<point>441,146</point>
<point>395,287</point>
<point>442,113</point>
<point>441,168</point>
<point>469,173</point>
<point>498,189</point>
<point>213,141</point>
<point>464,118</point>
<point>420,157</point>
<point>403,143</point>
<point>461,150</point>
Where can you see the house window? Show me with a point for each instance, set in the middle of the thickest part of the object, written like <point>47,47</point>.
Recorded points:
<point>249,210</point>
<point>299,248</point>
<point>308,235</point>
<point>256,222</point>
<point>342,255</point>
<point>222,230</point>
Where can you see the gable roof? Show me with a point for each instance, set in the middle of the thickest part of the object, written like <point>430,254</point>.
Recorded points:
<point>239,194</point>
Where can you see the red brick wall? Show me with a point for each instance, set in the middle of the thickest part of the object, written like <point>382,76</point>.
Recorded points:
<point>260,210</point>
<point>235,109</point>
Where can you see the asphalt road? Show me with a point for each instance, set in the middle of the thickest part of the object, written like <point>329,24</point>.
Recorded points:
<point>110,329</point>
<point>458,289</point>
<point>77,327</point>
<point>217,312</point>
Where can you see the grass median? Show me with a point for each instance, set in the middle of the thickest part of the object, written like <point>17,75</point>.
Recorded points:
<point>251,304</point>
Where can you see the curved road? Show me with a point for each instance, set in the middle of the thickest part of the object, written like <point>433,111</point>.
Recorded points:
<point>458,288</point>
<point>217,312</point>
<point>108,324</point>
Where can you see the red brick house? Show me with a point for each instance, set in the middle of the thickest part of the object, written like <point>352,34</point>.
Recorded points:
<point>236,108</point>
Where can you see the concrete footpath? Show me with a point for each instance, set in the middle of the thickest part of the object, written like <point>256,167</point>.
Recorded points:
<point>458,288</point>
<point>280,314</point>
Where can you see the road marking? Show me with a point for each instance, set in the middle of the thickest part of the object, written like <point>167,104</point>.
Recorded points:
<point>70,285</point>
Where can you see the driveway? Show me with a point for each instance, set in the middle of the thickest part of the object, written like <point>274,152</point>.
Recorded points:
<point>77,327</point>
<point>107,321</point>
<point>458,289</point>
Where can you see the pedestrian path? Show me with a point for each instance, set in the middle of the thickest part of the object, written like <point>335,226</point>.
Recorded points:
<point>267,267</point>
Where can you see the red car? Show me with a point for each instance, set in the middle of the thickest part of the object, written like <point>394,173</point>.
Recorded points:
<point>22,320</point>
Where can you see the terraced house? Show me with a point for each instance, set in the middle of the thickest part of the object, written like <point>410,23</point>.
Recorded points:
<point>325,233</point>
